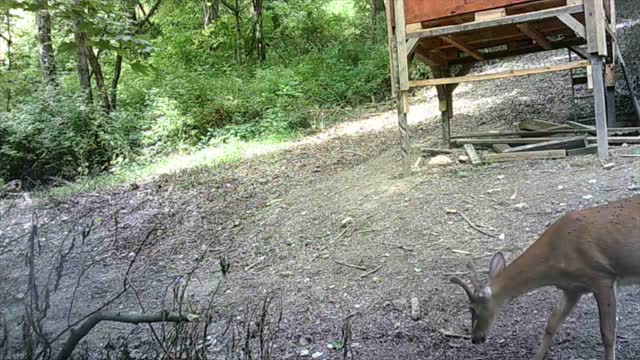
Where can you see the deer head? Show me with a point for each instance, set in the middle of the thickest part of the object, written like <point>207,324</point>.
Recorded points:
<point>482,304</point>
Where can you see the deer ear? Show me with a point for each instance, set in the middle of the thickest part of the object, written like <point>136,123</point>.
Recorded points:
<point>496,265</point>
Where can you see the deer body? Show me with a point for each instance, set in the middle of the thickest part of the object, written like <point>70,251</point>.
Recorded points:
<point>588,251</point>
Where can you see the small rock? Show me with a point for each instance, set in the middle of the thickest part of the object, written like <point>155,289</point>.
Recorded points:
<point>134,186</point>
<point>20,296</point>
<point>634,187</point>
<point>608,166</point>
<point>317,355</point>
<point>346,222</point>
<point>452,211</point>
<point>463,159</point>
<point>491,191</point>
<point>521,206</point>
<point>501,177</point>
<point>440,160</point>
<point>305,340</point>
<point>375,279</point>
<point>502,236</point>
<point>399,303</point>
<point>286,273</point>
<point>560,187</point>
<point>416,314</point>
<point>305,353</point>
<point>587,197</point>
<point>593,181</point>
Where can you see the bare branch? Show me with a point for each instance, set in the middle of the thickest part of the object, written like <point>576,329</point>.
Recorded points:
<point>80,332</point>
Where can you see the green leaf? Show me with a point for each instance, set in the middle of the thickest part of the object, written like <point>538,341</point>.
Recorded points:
<point>139,67</point>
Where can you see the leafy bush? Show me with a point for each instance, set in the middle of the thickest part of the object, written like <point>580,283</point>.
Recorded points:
<point>60,135</point>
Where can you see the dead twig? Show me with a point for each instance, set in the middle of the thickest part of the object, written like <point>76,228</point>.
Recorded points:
<point>254,264</point>
<point>474,226</point>
<point>350,265</point>
<point>370,272</point>
<point>400,246</point>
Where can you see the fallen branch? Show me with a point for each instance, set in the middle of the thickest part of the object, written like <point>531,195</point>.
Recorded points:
<point>83,330</point>
<point>476,227</point>
<point>350,265</point>
<point>254,264</point>
<point>400,246</point>
<point>370,272</point>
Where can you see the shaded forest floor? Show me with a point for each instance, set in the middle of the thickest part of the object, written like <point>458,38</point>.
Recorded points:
<point>286,221</point>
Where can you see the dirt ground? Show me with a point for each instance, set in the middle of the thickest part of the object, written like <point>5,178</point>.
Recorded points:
<point>286,221</point>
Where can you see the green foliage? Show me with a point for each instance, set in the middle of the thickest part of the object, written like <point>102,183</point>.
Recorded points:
<point>59,135</point>
<point>189,85</point>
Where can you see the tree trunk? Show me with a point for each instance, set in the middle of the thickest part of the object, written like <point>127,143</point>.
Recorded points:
<point>45,48</point>
<point>238,31</point>
<point>97,72</point>
<point>9,40</point>
<point>377,7</point>
<point>258,33</point>
<point>82,57</point>
<point>211,10</point>
<point>117,70</point>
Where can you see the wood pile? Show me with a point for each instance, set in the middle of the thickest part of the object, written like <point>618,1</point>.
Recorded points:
<point>538,140</point>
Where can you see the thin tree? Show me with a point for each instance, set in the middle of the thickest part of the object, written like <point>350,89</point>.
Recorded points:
<point>258,31</point>
<point>8,39</point>
<point>46,55</point>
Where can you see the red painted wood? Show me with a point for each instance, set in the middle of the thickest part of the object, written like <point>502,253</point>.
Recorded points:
<point>425,10</point>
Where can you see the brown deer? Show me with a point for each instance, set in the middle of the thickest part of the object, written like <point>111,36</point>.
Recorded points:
<point>588,251</point>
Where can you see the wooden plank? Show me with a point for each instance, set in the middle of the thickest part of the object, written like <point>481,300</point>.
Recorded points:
<point>463,47</point>
<point>473,154</point>
<point>535,35</point>
<point>617,140</point>
<point>421,10</point>
<point>578,51</point>
<point>531,155</point>
<point>411,46</point>
<point>587,150</point>
<point>595,27</point>
<point>492,141</point>
<point>405,144</point>
<point>573,24</point>
<point>581,125</point>
<point>508,20</point>
<point>445,104</point>
<point>490,14</point>
<point>390,47</point>
<point>537,125</point>
<point>562,143</point>
<point>401,43</point>
<point>500,148</point>
<point>600,107</point>
<point>502,75</point>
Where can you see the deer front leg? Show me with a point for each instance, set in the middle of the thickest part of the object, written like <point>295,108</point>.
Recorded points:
<point>558,316</point>
<point>606,298</point>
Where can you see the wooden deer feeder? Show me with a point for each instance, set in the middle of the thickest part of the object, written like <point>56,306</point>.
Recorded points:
<point>451,35</point>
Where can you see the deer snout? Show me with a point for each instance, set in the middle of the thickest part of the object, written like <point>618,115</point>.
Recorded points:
<point>479,340</point>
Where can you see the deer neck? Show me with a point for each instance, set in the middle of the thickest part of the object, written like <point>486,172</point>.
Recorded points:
<point>524,274</point>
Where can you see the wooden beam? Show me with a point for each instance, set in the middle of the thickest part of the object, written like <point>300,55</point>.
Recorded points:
<point>596,29</point>
<point>628,79</point>
<point>507,20</point>
<point>411,45</point>
<point>460,45</point>
<point>537,125</point>
<point>401,43</point>
<point>617,140</point>
<point>578,51</point>
<point>600,107</point>
<point>390,41</point>
<point>531,155</point>
<point>473,154</point>
<point>573,24</point>
<point>492,141</point>
<point>500,148</point>
<point>536,35</point>
<point>587,150</point>
<point>502,75</point>
<point>558,144</point>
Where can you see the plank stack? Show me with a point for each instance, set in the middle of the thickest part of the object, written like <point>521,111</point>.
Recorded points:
<point>539,140</point>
